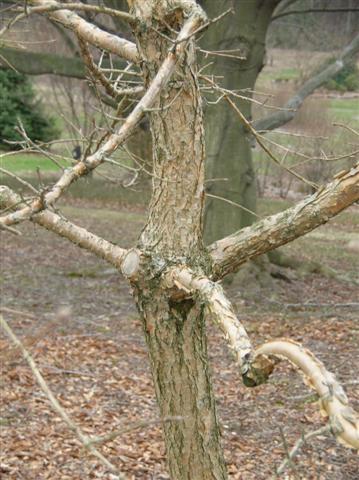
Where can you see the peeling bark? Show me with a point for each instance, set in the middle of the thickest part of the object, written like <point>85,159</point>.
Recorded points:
<point>272,232</point>
<point>333,401</point>
<point>92,34</point>
<point>175,330</point>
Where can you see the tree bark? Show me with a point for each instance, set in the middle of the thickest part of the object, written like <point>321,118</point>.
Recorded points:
<point>176,339</point>
<point>229,154</point>
<point>175,331</point>
<point>284,227</point>
<point>171,272</point>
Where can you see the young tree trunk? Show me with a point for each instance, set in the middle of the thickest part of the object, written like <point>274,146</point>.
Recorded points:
<point>176,338</point>
<point>175,331</point>
<point>229,154</point>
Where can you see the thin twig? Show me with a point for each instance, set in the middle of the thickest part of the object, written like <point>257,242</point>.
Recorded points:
<point>235,204</point>
<point>18,312</point>
<point>346,127</point>
<point>298,445</point>
<point>288,459</point>
<point>20,180</point>
<point>55,404</point>
<point>264,147</point>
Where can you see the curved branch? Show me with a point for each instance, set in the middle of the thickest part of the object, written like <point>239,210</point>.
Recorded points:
<point>91,33</point>
<point>276,230</point>
<point>116,139</point>
<point>257,366</point>
<point>222,313</point>
<point>75,234</point>
<point>332,398</point>
<point>326,72</point>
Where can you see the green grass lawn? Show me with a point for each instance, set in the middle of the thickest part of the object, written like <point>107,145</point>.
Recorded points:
<point>282,75</point>
<point>345,109</point>
<point>29,163</point>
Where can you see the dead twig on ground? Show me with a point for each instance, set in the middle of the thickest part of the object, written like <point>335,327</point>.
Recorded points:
<point>55,404</point>
<point>298,445</point>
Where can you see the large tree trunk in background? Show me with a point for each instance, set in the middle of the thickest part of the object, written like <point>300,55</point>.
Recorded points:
<point>175,331</point>
<point>229,153</point>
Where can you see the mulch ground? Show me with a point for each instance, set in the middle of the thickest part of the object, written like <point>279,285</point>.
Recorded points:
<point>81,327</point>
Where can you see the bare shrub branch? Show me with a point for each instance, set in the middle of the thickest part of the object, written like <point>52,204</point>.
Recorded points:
<point>116,139</point>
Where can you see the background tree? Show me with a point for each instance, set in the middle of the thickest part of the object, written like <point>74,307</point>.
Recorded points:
<point>18,104</point>
<point>173,276</point>
<point>230,169</point>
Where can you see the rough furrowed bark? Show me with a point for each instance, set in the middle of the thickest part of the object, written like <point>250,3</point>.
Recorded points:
<point>175,330</point>
<point>176,339</point>
<point>272,232</point>
<point>174,226</point>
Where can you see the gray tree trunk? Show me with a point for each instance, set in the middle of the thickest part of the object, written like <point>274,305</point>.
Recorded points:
<point>229,153</point>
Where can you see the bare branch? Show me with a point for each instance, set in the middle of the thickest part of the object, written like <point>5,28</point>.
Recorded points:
<point>55,404</point>
<point>223,315</point>
<point>40,63</point>
<point>298,445</point>
<point>116,139</point>
<point>332,399</point>
<point>19,179</point>
<point>90,33</point>
<point>257,366</point>
<point>264,147</point>
<point>272,232</point>
<point>97,74</point>
<point>77,235</point>
<point>325,73</point>
<point>48,8</point>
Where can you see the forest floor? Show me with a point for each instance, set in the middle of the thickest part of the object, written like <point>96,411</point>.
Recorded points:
<point>75,315</point>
